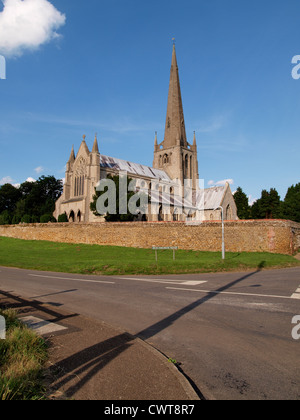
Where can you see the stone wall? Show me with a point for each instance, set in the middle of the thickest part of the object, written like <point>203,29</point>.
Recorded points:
<point>275,236</point>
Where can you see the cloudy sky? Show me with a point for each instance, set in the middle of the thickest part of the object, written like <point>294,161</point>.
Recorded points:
<point>75,68</point>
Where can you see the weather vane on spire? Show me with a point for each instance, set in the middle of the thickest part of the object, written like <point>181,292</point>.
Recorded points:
<point>173,39</point>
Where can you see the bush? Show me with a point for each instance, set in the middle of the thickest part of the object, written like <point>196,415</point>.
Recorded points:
<point>26,219</point>
<point>16,220</point>
<point>46,218</point>
<point>5,218</point>
<point>63,218</point>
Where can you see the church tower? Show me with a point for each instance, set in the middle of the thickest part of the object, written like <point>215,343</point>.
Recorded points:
<point>175,155</point>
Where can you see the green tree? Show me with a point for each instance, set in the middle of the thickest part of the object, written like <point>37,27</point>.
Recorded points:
<point>121,195</point>
<point>291,204</point>
<point>9,196</point>
<point>242,203</point>
<point>268,206</point>
<point>5,218</point>
<point>275,204</point>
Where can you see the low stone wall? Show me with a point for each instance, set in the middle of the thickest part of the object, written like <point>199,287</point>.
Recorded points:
<point>275,236</point>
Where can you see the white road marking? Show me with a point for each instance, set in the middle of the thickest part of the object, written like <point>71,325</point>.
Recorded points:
<point>296,295</point>
<point>41,326</point>
<point>164,281</point>
<point>70,279</point>
<point>232,293</point>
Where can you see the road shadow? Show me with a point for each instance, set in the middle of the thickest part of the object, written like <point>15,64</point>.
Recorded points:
<point>23,306</point>
<point>87,363</point>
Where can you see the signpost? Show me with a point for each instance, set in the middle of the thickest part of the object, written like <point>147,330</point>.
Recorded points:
<point>173,248</point>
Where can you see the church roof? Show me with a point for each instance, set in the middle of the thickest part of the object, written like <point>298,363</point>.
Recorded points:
<point>107,162</point>
<point>211,198</point>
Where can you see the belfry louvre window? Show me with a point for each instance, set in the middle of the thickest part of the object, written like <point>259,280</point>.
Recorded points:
<point>79,186</point>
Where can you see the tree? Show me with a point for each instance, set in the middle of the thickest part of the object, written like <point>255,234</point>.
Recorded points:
<point>268,206</point>
<point>242,203</point>
<point>274,204</point>
<point>291,204</point>
<point>5,218</point>
<point>120,199</point>
<point>32,199</point>
<point>9,196</point>
<point>40,197</point>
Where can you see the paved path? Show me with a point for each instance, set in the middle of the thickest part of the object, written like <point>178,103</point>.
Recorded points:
<point>232,333</point>
<point>90,360</point>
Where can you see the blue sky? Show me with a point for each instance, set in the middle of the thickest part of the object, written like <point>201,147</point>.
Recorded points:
<point>104,66</point>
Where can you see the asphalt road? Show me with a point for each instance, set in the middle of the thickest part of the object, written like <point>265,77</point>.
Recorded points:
<point>232,333</point>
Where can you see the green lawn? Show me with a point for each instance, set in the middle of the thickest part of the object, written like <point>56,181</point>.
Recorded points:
<point>96,259</point>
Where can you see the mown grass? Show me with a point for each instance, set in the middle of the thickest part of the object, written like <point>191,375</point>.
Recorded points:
<point>109,260</point>
<point>22,356</point>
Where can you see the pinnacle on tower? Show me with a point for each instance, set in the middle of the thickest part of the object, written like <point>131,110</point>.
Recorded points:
<point>95,146</point>
<point>72,156</point>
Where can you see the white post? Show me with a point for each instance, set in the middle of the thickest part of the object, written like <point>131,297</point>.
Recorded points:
<point>223,232</point>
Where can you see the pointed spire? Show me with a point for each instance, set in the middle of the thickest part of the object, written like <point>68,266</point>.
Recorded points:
<point>72,156</point>
<point>195,141</point>
<point>175,125</point>
<point>95,146</point>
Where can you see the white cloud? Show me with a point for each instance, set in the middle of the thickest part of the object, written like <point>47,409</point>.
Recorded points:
<point>30,179</point>
<point>28,24</point>
<point>6,180</point>
<point>39,170</point>
<point>251,200</point>
<point>220,183</point>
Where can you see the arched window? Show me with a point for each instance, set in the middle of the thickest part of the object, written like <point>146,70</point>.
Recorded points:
<point>160,214</point>
<point>185,166</point>
<point>72,217</point>
<point>229,214</point>
<point>79,186</point>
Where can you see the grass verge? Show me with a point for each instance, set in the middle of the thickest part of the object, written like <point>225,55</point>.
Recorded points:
<point>110,260</point>
<point>22,356</point>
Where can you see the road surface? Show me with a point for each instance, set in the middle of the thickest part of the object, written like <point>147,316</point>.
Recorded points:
<point>231,332</point>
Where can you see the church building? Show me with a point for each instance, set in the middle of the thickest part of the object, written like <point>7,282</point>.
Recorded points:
<point>175,163</point>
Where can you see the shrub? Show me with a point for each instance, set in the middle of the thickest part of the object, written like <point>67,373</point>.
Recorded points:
<point>26,219</point>
<point>62,218</point>
<point>5,218</point>
<point>46,218</point>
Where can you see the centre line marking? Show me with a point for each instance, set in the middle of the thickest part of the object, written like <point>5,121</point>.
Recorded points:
<point>67,278</point>
<point>231,293</point>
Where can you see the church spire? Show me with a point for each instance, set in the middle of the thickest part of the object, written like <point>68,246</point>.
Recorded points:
<point>175,126</point>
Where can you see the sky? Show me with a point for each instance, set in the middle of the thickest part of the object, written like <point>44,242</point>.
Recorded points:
<point>77,68</point>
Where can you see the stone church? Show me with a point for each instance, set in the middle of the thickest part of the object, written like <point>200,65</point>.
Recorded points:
<point>175,163</point>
